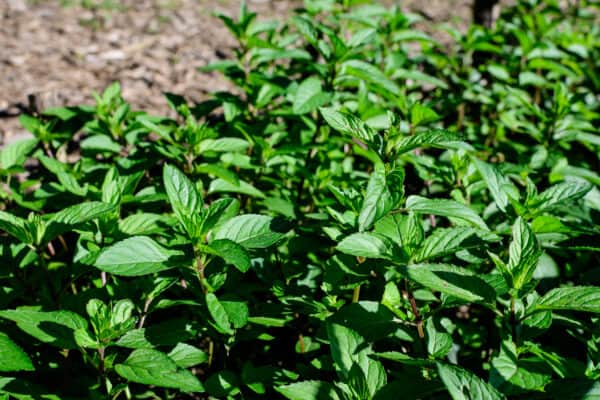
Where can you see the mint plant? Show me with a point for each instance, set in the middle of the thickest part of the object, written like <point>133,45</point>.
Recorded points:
<point>367,214</point>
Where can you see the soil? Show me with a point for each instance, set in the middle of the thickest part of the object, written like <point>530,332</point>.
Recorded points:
<point>57,52</point>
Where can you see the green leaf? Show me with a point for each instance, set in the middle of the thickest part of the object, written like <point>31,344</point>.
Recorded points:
<point>218,313</point>
<point>237,312</point>
<point>66,219</point>
<point>56,328</point>
<point>561,193</point>
<point>252,230</point>
<point>186,356</point>
<point>577,298</point>
<point>232,253</point>
<point>383,194</point>
<point>524,253</point>
<point>350,352</point>
<point>371,74</point>
<point>452,280</point>
<point>223,145</point>
<point>12,357</point>
<point>135,256</point>
<point>446,208</point>
<point>435,138</point>
<point>183,197</point>
<point>142,224</point>
<point>151,367</point>
<point>438,343</point>
<point>499,186</point>
<point>15,226</point>
<point>309,96</point>
<point>464,385</point>
<point>347,124</point>
<point>309,390</point>
<point>222,186</point>
<point>15,153</point>
<point>100,143</point>
<point>444,241</point>
<point>369,245</point>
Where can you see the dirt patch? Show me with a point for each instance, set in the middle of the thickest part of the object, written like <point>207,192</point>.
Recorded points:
<point>56,52</point>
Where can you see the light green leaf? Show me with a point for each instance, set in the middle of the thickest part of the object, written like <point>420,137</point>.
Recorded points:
<point>561,193</point>
<point>100,143</point>
<point>309,390</point>
<point>12,357</point>
<point>66,219</point>
<point>435,138</point>
<point>452,280</point>
<point>223,145</point>
<point>53,327</point>
<point>577,298</point>
<point>14,154</point>
<point>371,74</point>
<point>369,245</point>
<point>309,96</point>
<point>446,208</point>
<point>252,230</point>
<point>524,252</point>
<point>444,241</point>
<point>151,367</point>
<point>438,343</point>
<point>222,186</point>
<point>218,313</point>
<point>142,224</point>
<point>15,226</point>
<point>464,385</point>
<point>382,195</point>
<point>499,186</point>
<point>183,197</point>
<point>186,356</point>
<point>349,351</point>
<point>135,256</point>
<point>232,253</point>
<point>347,124</point>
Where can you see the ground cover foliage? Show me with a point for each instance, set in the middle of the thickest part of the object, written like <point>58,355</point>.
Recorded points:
<point>367,215</point>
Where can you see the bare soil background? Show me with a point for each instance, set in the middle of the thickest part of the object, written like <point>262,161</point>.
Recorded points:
<point>56,52</point>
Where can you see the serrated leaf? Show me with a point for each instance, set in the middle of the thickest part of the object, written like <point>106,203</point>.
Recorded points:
<point>223,145</point>
<point>524,252</point>
<point>577,298</point>
<point>438,343</point>
<point>56,328</point>
<point>452,280</point>
<point>68,218</point>
<point>183,197</point>
<point>309,390</point>
<point>383,194</point>
<point>12,357</point>
<point>371,74</point>
<point>309,96</point>
<point>446,208</point>
<point>252,230</point>
<point>443,241</point>
<point>350,352</point>
<point>14,154</point>
<point>369,245</point>
<point>347,124</point>
<point>499,186</point>
<point>152,367</point>
<point>232,253</point>
<point>15,226</point>
<point>222,186</point>
<point>142,224</point>
<point>135,256</point>
<point>464,385</point>
<point>434,138</point>
<point>218,313</point>
<point>561,193</point>
<point>186,356</point>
